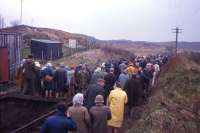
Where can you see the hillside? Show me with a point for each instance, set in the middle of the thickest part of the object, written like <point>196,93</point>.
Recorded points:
<point>182,45</point>
<point>137,47</point>
<point>174,106</point>
<point>89,57</point>
<point>29,33</point>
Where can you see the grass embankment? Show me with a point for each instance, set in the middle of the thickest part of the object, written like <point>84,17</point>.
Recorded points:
<point>174,106</point>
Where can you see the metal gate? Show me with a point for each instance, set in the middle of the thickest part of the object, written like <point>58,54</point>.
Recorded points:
<point>13,43</point>
<point>4,72</point>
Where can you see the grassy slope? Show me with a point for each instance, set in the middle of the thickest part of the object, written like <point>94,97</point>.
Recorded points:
<point>88,57</point>
<point>174,106</point>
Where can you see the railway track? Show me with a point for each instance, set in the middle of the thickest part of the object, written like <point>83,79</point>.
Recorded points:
<point>26,113</point>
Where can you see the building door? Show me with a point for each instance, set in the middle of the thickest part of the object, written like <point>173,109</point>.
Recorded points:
<point>4,70</point>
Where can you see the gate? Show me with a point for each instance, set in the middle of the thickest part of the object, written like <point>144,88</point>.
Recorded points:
<point>12,42</point>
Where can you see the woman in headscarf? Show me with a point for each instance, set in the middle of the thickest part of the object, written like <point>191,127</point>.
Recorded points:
<point>79,114</point>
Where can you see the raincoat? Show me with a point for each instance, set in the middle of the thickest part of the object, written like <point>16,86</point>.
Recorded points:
<point>116,101</point>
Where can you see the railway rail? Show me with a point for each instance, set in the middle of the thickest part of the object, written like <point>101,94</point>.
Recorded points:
<point>26,113</point>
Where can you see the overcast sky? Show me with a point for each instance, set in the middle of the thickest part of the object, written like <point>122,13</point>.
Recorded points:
<point>137,20</point>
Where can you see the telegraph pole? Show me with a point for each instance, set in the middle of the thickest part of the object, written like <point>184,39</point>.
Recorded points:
<point>21,12</point>
<point>177,31</point>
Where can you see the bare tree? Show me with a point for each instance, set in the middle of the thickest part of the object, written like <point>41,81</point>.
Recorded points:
<point>14,23</point>
<point>2,22</point>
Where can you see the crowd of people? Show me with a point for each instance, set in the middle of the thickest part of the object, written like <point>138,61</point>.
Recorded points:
<point>99,94</point>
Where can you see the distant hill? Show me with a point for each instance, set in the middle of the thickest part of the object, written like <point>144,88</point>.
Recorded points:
<point>140,47</point>
<point>181,45</point>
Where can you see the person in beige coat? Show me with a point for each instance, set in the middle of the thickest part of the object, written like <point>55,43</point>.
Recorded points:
<point>79,114</point>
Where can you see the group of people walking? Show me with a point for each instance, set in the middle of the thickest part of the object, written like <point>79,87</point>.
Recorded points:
<point>100,96</point>
<point>96,119</point>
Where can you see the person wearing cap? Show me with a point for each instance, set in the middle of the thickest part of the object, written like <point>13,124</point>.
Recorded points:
<point>29,75</point>
<point>92,91</point>
<point>59,122</point>
<point>116,102</point>
<point>99,116</point>
<point>79,114</point>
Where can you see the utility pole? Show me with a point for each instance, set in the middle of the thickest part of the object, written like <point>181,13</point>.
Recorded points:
<point>21,12</point>
<point>177,31</point>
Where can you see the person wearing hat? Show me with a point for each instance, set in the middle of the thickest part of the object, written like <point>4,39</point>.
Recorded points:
<point>99,116</point>
<point>92,91</point>
<point>59,122</point>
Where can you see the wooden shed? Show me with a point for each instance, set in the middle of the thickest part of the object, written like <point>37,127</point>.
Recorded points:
<point>46,49</point>
<point>10,55</point>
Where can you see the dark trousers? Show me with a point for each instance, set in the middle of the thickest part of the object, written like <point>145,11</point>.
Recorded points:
<point>29,86</point>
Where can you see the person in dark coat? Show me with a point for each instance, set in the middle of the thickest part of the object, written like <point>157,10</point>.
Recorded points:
<point>92,91</point>
<point>38,79</point>
<point>76,78</point>
<point>133,88</point>
<point>60,78</point>
<point>109,83</point>
<point>29,75</point>
<point>146,76</point>
<point>59,123</point>
<point>99,116</point>
<point>142,64</point>
<point>117,70</point>
<point>98,73</point>
<point>47,76</point>
<point>123,78</point>
<point>82,79</point>
<point>108,65</point>
<point>122,66</point>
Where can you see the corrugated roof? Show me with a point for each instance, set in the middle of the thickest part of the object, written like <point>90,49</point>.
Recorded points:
<point>45,41</point>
